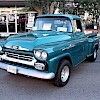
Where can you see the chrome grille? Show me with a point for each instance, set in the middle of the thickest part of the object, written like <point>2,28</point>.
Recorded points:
<point>19,56</point>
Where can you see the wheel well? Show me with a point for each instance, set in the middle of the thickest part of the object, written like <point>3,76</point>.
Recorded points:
<point>66,58</point>
<point>97,47</point>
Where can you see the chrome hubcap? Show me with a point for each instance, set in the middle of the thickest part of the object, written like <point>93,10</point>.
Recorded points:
<point>95,54</point>
<point>64,73</point>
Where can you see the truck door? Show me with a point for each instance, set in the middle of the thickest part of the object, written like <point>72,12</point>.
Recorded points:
<point>81,41</point>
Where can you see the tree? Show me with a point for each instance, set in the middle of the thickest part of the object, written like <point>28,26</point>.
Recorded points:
<point>42,6</point>
<point>67,6</point>
<point>62,7</point>
<point>91,6</point>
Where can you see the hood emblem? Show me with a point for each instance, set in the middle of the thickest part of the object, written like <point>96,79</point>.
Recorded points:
<point>17,48</point>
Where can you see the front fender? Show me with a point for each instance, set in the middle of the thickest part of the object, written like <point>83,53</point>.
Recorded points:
<point>53,63</point>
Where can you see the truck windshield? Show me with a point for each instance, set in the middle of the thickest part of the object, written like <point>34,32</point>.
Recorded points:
<point>59,24</point>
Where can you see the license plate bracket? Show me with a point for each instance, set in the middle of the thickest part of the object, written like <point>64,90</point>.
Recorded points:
<point>12,69</point>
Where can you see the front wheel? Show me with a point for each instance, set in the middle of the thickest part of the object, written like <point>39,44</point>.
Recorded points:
<point>63,73</point>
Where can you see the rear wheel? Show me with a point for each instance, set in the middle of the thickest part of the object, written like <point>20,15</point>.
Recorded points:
<point>93,57</point>
<point>63,73</point>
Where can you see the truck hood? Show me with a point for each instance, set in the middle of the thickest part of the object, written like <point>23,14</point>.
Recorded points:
<point>28,41</point>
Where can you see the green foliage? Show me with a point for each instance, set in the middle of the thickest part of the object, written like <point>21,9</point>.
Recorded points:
<point>44,4</point>
<point>61,6</point>
<point>92,6</point>
<point>64,9</point>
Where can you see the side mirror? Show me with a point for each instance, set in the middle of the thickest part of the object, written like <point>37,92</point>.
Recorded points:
<point>78,30</point>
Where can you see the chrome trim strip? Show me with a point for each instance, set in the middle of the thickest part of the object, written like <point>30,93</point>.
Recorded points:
<point>31,63</point>
<point>14,47</point>
<point>30,72</point>
<point>71,46</point>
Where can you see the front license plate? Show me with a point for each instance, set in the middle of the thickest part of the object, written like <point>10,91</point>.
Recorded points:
<point>11,69</point>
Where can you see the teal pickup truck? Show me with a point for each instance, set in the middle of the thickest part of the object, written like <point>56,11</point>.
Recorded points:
<point>56,44</point>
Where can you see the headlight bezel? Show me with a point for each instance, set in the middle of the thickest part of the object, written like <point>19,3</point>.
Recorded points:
<point>0,48</point>
<point>40,54</point>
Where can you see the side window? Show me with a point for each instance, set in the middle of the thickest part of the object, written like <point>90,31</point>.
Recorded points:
<point>77,27</point>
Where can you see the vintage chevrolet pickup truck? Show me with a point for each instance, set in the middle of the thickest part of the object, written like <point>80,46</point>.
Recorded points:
<point>56,44</point>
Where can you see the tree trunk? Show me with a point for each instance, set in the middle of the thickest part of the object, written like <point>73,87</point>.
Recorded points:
<point>39,10</point>
<point>52,8</point>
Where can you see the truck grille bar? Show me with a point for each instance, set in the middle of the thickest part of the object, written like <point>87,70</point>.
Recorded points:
<point>19,56</point>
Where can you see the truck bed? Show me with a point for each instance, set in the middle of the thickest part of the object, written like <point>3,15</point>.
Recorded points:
<point>92,34</point>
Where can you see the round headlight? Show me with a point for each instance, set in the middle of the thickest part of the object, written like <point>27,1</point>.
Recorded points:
<point>38,54</point>
<point>44,55</point>
<point>0,48</point>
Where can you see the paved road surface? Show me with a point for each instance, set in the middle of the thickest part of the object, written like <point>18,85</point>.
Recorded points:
<point>84,84</point>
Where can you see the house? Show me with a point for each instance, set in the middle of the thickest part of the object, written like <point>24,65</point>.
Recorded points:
<point>12,18</point>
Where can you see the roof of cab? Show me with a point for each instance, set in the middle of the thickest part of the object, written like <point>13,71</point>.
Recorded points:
<point>60,15</point>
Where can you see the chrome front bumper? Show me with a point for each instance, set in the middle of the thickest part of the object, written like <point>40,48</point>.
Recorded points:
<point>29,72</point>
